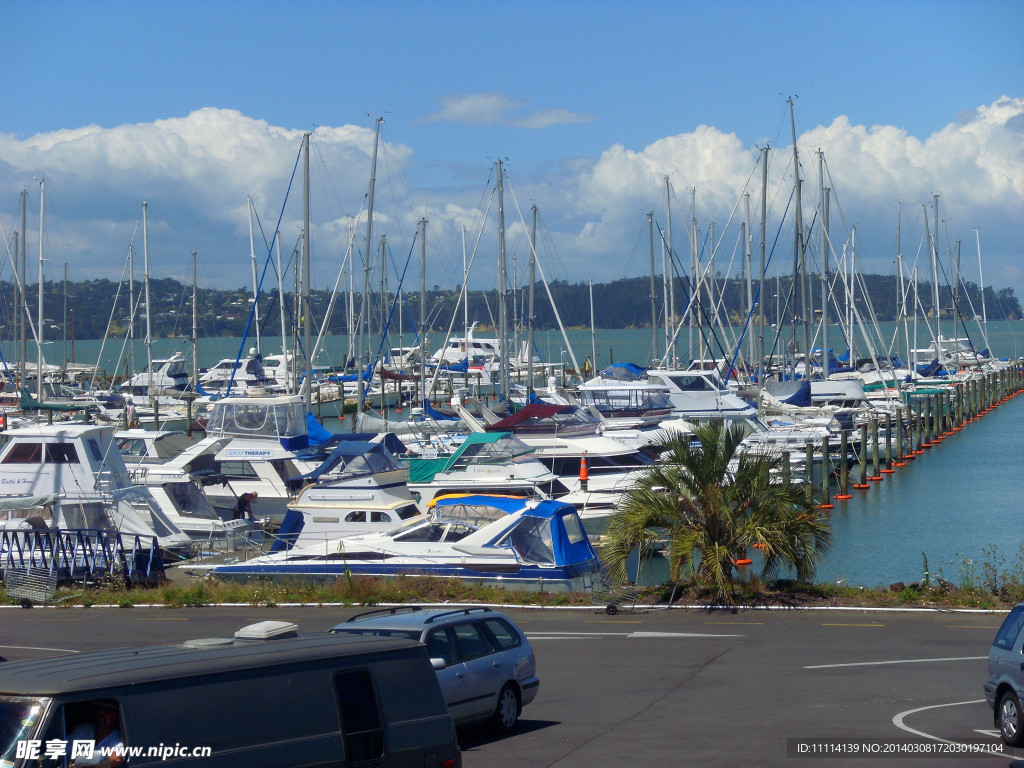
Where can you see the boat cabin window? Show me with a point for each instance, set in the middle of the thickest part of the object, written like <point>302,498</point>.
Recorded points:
<point>408,512</point>
<point>25,453</point>
<point>573,528</point>
<point>189,500</point>
<point>356,517</point>
<point>380,517</point>
<point>61,453</point>
<point>238,470</point>
<point>692,383</point>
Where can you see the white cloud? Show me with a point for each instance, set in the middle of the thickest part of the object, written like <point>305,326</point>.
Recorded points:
<point>195,172</point>
<point>496,108</point>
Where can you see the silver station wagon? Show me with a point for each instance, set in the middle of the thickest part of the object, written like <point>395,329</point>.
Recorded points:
<point>1004,688</point>
<point>484,662</point>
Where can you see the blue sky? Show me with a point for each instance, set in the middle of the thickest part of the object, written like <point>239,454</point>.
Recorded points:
<point>192,106</point>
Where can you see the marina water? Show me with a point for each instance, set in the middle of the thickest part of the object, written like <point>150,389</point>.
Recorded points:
<point>958,507</point>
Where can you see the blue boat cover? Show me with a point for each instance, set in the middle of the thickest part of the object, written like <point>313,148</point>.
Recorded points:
<point>624,372</point>
<point>566,552</point>
<point>317,434</point>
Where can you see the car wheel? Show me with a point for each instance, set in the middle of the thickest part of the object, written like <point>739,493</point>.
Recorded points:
<point>506,714</point>
<point>1011,727</point>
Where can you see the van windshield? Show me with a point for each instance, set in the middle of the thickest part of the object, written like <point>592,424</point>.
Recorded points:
<point>17,716</point>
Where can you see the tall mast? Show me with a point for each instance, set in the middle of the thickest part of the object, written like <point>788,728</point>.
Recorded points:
<point>423,306</point>
<point>39,321</point>
<point>760,293</point>
<point>593,347</point>
<point>195,322</point>
<point>798,273</point>
<point>502,283</point>
<point>654,307</point>
<point>671,322</point>
<point>64,324</point>
<point>149,337</point>
<point>899,267</point>
<point>824,264</point>
<point>695,274</point>
<point>255,284</point>
<point>22,298</point>
<point>307,320</point>
<point>935,282</point>
<point>533,278</point>
<point>280,303</point>
<point>750,279</point>
<point>363,308</point>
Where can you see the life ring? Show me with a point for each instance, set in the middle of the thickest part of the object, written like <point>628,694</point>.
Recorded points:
<point>3,421</point>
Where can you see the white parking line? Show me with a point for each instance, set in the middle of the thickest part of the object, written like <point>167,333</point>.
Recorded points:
<point>35,648</point>
<point>895,661</point>
<point>898,719</point>
<point>627,635</point>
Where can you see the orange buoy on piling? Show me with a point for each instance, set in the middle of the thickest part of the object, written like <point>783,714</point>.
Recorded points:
<point>584,474</point>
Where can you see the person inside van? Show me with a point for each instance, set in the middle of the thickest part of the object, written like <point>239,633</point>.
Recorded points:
<point>104,730</point>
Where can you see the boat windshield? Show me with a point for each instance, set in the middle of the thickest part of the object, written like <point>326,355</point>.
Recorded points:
<point>531,540</point>
<point>18,715</point>
<point>256,419</point>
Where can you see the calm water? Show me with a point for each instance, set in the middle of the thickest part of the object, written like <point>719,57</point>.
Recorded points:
<point>959,505</point>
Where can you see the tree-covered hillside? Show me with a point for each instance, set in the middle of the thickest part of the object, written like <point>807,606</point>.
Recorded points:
<point>98,307</point>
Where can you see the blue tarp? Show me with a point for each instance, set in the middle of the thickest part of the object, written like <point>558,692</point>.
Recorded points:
<point>435,414</point>
<point>289,531</point>
<point>317,434</point>
<point>624,372</point>
<point>802,396</point>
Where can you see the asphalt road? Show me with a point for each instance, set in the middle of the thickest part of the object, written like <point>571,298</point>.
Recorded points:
<point>668,688</point>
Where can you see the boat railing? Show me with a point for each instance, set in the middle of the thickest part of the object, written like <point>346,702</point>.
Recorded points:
<point>83,554</point>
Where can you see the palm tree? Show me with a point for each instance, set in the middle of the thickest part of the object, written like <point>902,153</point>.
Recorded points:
<point>715,507</point>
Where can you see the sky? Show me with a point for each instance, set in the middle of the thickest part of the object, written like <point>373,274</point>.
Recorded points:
<point>194,107</point>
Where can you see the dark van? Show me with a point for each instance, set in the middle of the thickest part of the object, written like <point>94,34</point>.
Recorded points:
<point>310,700</point>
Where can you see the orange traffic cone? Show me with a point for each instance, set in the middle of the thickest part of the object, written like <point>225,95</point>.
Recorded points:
<point>584,475</point>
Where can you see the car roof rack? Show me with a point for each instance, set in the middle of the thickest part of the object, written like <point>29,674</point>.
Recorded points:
<point>379,611</point>
<point>465,611</point>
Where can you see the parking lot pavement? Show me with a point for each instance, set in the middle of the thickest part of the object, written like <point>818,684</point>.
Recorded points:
<point>669,688</point>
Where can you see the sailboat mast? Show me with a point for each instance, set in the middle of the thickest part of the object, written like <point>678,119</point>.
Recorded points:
<point>760,293</point>
<point>593,347</point>
<point>145,259</point>
<point>750,278</point>
<point>533,278</point>
<point>255,284</point>
<point>22,298</point>
<point>671,321</point>
<point>280,302</point>
<point>195,322</point>
<point>935,283</point>
<point>798,274</point>
<point>64,324</point>
<point>307,320</point>
<point>423,307</point>
<point>39,321</point>
<point>363,308</point>
<point>824,265</point>
<point>654,307</point>
<point>502,283</point>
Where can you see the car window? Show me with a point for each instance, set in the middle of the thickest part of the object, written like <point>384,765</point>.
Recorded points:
<point>440,646</point>
<point>472,642</point>
<point>501,632</point>
<point>1011,627</point>
<point>360,716</point>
